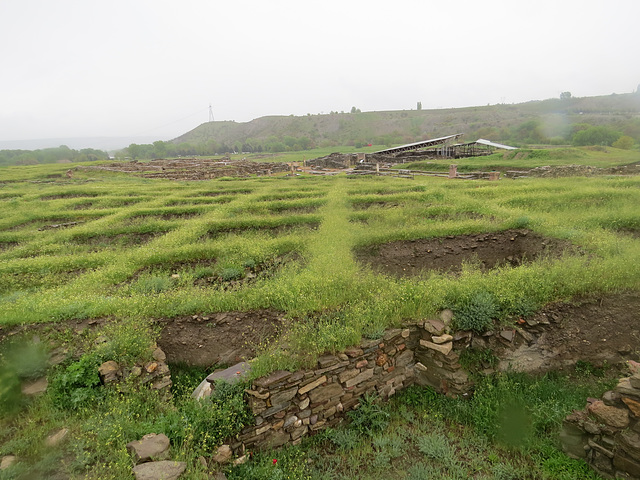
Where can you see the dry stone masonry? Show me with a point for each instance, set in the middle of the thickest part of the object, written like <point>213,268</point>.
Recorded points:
<point>289,405</point>
<point>606,434</point>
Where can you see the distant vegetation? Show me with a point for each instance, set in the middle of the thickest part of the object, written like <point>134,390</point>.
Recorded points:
<point>61,154</point>
<point>562,121</point>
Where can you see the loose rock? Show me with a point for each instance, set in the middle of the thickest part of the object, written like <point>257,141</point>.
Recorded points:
<point>150,447</point>
<point>163,470</point>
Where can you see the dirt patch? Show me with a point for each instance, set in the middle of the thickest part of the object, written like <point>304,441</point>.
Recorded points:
<point>7,246</point>
<point>572,171</point>
<point>221,338</point>
<point>119,240</point>
<point>69,195</point>
<point>373,203</point>
<point>405,258</point>
<point>193,169</point>
<point>274,230</point>
<point>600,331</point>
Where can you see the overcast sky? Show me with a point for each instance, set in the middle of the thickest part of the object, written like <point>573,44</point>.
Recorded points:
<point>73,68</point>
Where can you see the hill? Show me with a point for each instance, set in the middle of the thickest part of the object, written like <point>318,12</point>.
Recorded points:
<point>546,121</point>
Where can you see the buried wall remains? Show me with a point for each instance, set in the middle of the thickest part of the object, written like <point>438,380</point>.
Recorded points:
<point>289,405</point>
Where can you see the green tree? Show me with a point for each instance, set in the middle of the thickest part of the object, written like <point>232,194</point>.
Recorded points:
<point>600,135</point>
<point>625,142</point>
<point>419,106</point>
<point>565,95</point>
<point>159,149</point>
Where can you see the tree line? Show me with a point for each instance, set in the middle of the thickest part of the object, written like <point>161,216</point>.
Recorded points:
<point>59,154</point>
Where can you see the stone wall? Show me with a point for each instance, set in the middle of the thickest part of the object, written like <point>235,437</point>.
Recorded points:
<point>606,434</point>
<point>289,405</point>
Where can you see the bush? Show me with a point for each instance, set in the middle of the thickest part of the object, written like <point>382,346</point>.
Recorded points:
<point>75,386</point>
<point>369,418</point>
<point>231,273</point>
<point>476,313</point>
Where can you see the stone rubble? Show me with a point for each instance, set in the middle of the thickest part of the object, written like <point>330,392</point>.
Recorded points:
<point>155,372</point>
<point>149,448</point>
<point>606,434</point>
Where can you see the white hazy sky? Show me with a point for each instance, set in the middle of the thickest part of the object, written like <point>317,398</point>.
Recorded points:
<point>73,68</point>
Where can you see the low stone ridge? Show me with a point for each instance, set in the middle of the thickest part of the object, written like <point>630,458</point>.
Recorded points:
<point>606,434</point>
<point>155,372</point>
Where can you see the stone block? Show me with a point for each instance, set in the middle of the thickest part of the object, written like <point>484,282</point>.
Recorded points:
<point>348,374</point>
<point>441,339</point>
<point>630,443</point>
<point>391,334</point>
<point>166,470</point>
<point>299,432</point>
<point>363,376</point>
<point>612,416</point>
<point>353,352</point>
<point>624,387</point>
<point>150,447</point>
<point>626,465</point>
<point>404,359</point>
<point>327,360</point>
<point>633,405</point>
<point>283,396</point>
<point>322,394</point>
<point>223,454</point>
<point>434,327</point>
<point>444,349</point>
<point>272,378</point>
<point>311,385</point>
<point>304,413</point>
<point>611,398</point>
<point>233,374</point>
<point>275,440</point>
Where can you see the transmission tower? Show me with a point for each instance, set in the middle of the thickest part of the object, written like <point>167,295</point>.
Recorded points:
<point>210,113</point>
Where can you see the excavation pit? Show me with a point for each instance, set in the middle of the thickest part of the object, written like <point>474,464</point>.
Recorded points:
<point>407,258</point>
<point>218,338</point>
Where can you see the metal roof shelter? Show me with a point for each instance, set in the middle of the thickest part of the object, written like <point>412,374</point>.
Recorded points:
<point>478,148</point>
<point>489,143</point>
<point>443,142</point>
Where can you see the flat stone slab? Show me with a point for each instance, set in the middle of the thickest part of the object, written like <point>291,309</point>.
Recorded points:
<point>164,470</point>
<point>232,375</point>
<point>150,447</point>
<point>36,387</point>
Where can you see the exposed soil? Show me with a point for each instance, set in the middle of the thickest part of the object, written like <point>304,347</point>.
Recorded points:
<point>69,195</point>
<point>193,169</point>
<point>121,239</point>
<point>405,258</point>
<point>600,331</point>
<point>221,338</point>
<point>273,230</point>
<point>374,203</point>
<point>573,171</point>
<point>7,245</point>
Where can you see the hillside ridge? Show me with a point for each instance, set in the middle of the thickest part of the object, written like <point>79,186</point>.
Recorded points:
<point>491,121</point>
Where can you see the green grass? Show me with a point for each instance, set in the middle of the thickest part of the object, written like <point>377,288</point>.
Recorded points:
<point>508,430</point>
<point>523,159</point>
<point>145,250</point>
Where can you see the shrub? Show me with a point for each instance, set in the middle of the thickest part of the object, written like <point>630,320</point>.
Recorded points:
<point>231,273</point>
<point>75,386</point>
<point>476,313</point>
<point>435,445</point>
<point>369,418</point>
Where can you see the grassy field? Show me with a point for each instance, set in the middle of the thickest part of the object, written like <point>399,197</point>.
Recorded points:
<point>131,250</point>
